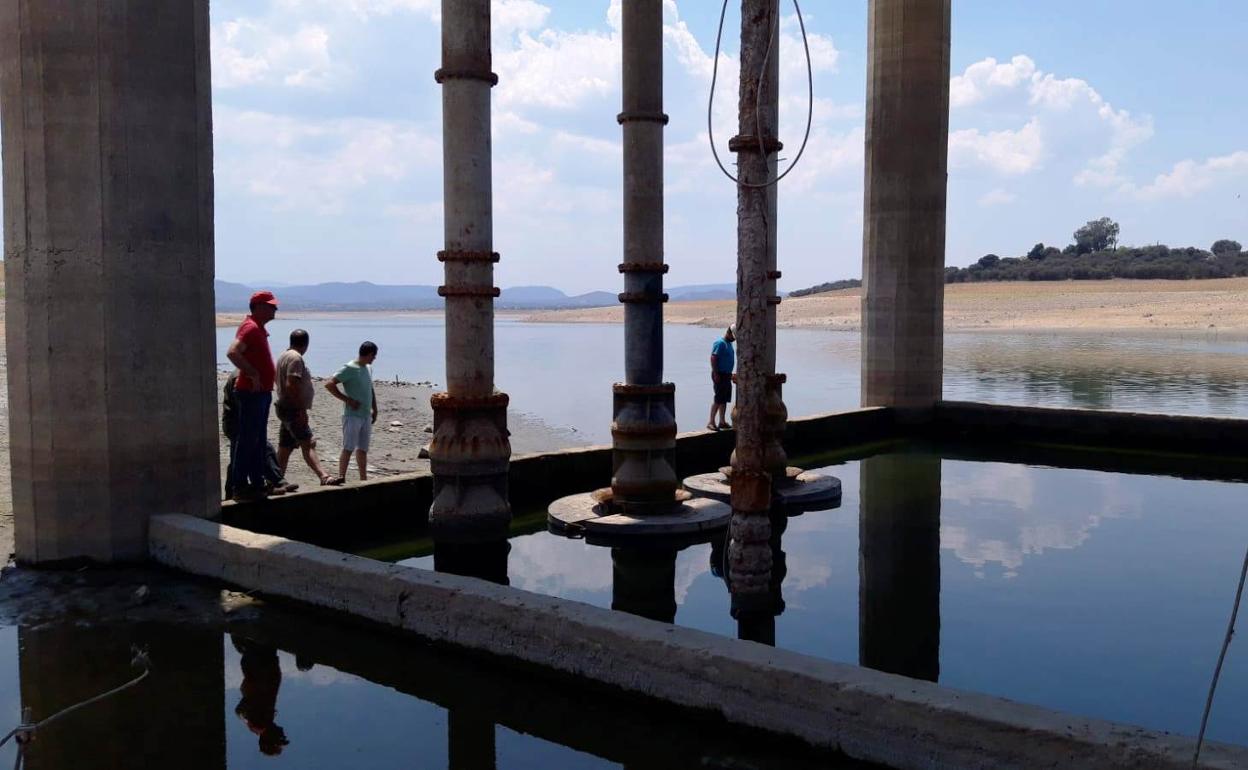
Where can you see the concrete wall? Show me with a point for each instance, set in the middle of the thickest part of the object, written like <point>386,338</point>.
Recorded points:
<point>108,237</point>
<point>869,715</point>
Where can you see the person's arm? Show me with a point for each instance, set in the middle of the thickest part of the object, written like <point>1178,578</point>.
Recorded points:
<point>714,368</point>
<point>235,354</point>
<point>332,386</point>
<point>374,405</point>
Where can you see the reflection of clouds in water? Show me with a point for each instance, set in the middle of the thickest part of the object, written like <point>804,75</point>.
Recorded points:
<point>993,513</point>
<point>551,565</point>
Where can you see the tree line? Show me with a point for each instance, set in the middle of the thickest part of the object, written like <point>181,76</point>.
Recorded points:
<point>1094,254</point>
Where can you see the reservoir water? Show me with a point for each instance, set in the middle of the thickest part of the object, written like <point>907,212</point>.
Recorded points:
<point>562,373</point>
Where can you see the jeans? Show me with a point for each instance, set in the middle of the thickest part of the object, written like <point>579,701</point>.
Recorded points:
<point>249,451</point>
<point>272,472</point>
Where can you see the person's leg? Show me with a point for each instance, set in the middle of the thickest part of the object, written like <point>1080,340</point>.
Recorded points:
<point>363,439</point>
<point>361,463</point>
<point>274,478</point>
<point>348,445</point>
<point>314,462</point>
<point>229,471</point>
<point>283,459</point>
<point>344,459</point>
<point>249,456</point>
<point>710,421</point>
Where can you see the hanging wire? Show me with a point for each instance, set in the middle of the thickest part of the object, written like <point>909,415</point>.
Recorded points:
<point>772,22</point>
<point>1217,671</point>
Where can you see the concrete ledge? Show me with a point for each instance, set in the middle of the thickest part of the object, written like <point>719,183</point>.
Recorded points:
<point>869,715</point>
<point>397,504</point>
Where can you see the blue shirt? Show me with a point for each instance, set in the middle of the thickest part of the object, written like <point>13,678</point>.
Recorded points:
<point>725,358</point>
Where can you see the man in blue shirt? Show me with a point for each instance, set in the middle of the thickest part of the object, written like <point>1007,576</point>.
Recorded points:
<point>359,410</point>
<point>723,361</point>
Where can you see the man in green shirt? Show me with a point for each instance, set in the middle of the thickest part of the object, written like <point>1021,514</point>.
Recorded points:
<point>359,410</point>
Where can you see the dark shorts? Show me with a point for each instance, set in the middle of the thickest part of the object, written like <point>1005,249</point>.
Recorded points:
<point>723,389</point>
<point>295,429</point>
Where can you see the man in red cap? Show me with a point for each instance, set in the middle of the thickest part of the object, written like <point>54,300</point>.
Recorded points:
<point>254,391</point>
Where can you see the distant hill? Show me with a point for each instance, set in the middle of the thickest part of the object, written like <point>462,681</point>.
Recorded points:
<point>363,295</point>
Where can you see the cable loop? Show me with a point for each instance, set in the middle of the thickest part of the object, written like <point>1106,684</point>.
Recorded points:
<point>772,33</point>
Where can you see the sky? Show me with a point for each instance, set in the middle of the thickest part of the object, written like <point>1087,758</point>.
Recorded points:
<point>328,135</point>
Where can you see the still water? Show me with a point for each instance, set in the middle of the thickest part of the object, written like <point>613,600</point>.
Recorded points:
<point>561,374</point>
<point>1102,594</point>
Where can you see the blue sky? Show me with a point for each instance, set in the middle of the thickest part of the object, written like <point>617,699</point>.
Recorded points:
<point>328,130</point>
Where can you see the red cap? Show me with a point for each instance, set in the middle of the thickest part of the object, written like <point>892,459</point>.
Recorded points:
<point>263,296</point>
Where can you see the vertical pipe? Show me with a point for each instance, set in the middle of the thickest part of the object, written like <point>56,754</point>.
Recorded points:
<point>643,430</point>
<point>775,459</point>
<point>907,134</point>
<point>749,552</point>
<point>470,451</point>
<point>108,256</point>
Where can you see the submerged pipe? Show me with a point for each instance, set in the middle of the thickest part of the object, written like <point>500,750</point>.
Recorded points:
<point>643,429</point>
<point>470,450</point>
<point>749,551</point>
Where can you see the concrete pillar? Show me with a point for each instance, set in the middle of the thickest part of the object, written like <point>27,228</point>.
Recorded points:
<point>174,718</point>
<point>749,552</point>
<point>903,253</point>
<point>106,119</point>
<point>470,452</point>
<point>899,565</point>
<point>644,582</point>
<point>643,429</point>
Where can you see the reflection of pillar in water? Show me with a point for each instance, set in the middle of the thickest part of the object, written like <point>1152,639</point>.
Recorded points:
<point>644,582</point>
<point>174,718</point>
<point>899,565</point>
<point>756,612</point>
<point>487,561</point>
<point>470,741</point>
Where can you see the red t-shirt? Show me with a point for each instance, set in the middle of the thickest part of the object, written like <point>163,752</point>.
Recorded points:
<point>257,354</point>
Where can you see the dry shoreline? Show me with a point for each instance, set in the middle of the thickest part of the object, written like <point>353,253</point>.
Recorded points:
<point>1117,306</point>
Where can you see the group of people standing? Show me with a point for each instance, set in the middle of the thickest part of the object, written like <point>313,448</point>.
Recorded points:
<point>255,471</point>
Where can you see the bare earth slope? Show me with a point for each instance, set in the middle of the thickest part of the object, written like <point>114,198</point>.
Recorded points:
<point>1119,305</point>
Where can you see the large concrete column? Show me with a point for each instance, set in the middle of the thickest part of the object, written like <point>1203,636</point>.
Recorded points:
<point>749,551</point>
<point>899,565</point>
<point>903,254</point>
<point>108,254</point>
<point>470,451</point>
<point>643,429</point>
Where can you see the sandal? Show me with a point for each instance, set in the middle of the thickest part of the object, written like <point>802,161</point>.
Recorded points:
<point>332,481</point>
<point>711,426</point>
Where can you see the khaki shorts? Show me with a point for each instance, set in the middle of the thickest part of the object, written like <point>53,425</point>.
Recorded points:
<point>356,433</point>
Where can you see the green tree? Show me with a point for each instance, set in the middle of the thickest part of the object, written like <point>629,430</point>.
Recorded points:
<point>1096,235</point>
<point>1225,248</point>
<point>1037,252</point>
<point>988,260</point>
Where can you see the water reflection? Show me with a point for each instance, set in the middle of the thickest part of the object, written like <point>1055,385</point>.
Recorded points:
<point>644,582</point>
<point>262,678</point>
<point>485,561</point>
<point>899,565</point>
<point>174,718</point>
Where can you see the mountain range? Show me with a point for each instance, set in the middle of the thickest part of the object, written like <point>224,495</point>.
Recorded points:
<point>363,295</point>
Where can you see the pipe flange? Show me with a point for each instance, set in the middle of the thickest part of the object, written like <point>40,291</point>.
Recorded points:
<point>634,116</point>
<point>469,291</point>
<point>643,267</point>
<point>661,389</point>
<point>640,297</point>
<point>773,300</point>
<point>745,143</point>
<point>454,403</point>
<point>457,255</point>
<point>485,76</point>
<point>773,275</point>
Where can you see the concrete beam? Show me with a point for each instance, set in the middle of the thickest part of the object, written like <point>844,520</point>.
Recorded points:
<point>108,239</point>
<point>869,715</point>
<point>903,250</point>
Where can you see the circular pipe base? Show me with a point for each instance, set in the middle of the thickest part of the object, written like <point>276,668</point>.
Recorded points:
<point>591,515</point>
<point>801,491</point>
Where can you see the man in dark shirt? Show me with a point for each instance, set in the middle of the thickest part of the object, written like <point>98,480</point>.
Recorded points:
<point>253,392</point>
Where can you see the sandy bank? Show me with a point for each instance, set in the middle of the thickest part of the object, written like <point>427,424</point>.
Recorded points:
<point>1118,305</point>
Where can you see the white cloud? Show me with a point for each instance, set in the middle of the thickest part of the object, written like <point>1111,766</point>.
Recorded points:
<point>1189,178</point>
<point>249,52</point>
<point>1007,152</point>
<point>997,197</point>
<point>315,165</point>
<point>1065,118</point>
